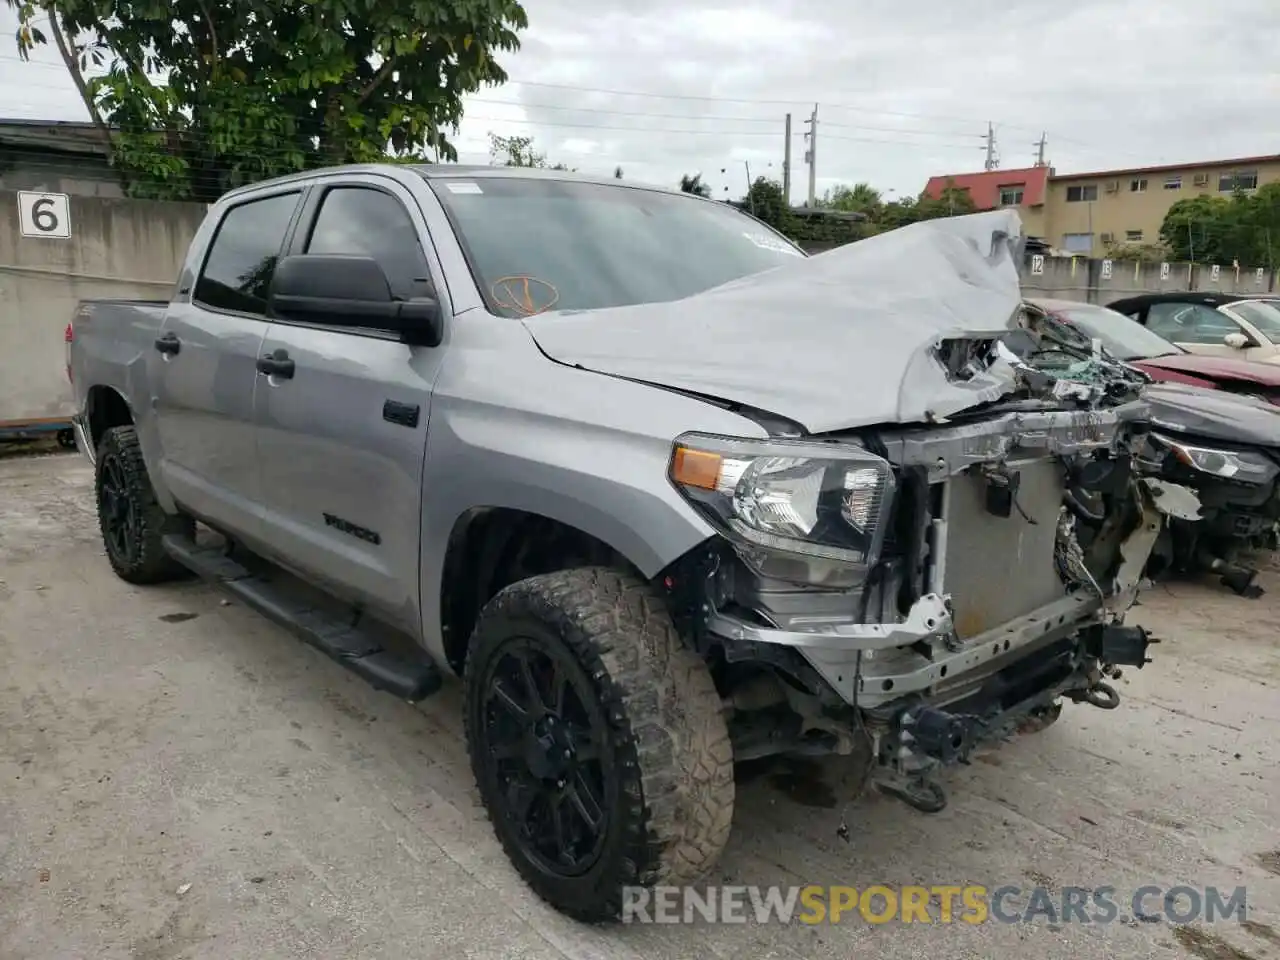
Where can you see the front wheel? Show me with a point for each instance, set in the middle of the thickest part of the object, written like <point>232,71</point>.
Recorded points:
<point>597,740</point>
<point>132,522</point>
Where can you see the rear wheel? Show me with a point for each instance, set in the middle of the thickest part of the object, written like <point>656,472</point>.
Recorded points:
<point>131,520</point>
<point>597,740</point>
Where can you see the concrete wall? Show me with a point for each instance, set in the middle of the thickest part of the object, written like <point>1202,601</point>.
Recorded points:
<point>1079,278</point>
<point>128,249</point>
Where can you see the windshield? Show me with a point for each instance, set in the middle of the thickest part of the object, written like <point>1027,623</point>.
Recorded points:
<point>1123,338</point>
<point>536,245</point>
<point>1265,316</point>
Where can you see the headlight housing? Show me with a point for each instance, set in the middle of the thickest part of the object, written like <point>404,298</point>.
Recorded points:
<point>1239,465</point>
<point>814,501</point>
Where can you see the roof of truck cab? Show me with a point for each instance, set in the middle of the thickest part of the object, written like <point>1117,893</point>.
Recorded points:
<point>453,171</point>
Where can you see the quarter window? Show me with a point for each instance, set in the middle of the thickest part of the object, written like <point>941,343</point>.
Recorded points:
<point>371,223</point>
<point>242,257</point>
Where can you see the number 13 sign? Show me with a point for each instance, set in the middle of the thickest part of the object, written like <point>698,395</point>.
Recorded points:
<point>44,214</point>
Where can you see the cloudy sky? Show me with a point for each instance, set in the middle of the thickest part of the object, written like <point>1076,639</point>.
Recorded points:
<point>904,90</point>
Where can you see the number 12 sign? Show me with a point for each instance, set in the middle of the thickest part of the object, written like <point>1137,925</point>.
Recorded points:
<point>44,214</point>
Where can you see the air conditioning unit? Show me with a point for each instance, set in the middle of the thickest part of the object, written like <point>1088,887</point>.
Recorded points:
<point>1108,237</point>
<point>1113,186</point>
<point>1201,180</point>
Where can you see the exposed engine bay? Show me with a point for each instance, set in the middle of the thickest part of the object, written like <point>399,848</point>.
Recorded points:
<point>1002,554</point>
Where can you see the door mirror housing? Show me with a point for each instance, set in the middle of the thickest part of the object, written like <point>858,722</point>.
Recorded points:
<point>1237,340</point>
<point>350,291</point>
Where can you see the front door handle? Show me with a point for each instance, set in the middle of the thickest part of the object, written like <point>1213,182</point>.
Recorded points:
<point>276,364</point>
<point>168,344</point>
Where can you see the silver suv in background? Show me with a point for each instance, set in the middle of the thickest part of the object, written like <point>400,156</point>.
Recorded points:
<point>665,492</point>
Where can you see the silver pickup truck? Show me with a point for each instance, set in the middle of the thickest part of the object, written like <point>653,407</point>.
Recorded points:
<point>664,491</point>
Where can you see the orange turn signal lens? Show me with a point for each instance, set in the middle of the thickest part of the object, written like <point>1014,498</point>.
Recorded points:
<point>696,468</point>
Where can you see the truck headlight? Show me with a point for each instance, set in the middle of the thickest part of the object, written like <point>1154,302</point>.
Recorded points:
<point>828,501</point>
<point>1241,465</point>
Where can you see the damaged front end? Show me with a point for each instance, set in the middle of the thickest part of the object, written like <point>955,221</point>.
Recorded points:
<point>909,592</point>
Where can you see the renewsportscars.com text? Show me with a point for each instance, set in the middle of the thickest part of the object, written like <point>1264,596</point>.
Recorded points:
<point>944,904</point>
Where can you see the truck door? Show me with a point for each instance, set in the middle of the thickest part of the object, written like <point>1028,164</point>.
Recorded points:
<point>342,436</point>
<point>204,366</point>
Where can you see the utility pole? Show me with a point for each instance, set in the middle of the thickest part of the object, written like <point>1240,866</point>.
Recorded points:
<point>751,197</point>
<point>993,160</point>
<point>1040,147</point>
<point>811,156</point>
<point>786,166</point>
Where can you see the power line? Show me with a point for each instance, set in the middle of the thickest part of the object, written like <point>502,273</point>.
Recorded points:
<point>827,105</point>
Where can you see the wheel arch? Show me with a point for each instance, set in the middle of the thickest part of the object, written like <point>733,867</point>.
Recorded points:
<point>491,547</point>
<point>106,407</point>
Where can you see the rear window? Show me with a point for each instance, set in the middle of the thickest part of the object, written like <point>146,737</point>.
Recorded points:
<point>537,245</point>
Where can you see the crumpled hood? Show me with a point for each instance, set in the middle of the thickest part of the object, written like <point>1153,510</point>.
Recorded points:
<point>1212,414</point>
<point>843,339</point>
<point>1217,368</point>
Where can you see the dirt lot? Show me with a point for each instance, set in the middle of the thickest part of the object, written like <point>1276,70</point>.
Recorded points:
<point>181,779</point>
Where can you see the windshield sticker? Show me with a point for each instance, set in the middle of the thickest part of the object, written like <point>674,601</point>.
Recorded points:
<point>462,186</point>
<point>766,242</point>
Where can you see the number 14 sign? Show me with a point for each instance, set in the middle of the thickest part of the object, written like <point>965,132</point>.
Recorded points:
<point>44,214</point>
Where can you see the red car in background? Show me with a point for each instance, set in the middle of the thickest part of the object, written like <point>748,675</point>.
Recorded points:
<point>1159,358</point>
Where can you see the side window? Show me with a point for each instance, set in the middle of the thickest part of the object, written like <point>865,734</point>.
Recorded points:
<point>368,222</point>
<point>242,257</point>
<point>1190,323</point>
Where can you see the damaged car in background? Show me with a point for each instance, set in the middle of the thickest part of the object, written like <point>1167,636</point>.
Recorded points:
<point>1221,443</point>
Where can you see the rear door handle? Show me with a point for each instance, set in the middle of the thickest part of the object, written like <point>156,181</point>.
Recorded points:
<point>276,364</point>
<point>168,344</point>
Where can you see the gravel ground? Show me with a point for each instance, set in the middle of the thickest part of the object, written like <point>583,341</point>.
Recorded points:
<point>183,780</point>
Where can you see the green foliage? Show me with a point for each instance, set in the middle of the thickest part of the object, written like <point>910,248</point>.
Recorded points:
<point>694,184</point>
<point>859,198</point>
<point>765,201</point>
<point>245,89</point>
<point>1244,228</point>
<point>518,152</point>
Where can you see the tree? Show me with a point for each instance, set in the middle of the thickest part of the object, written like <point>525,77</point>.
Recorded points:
<point>694,184</point>
<point>1244,228</point>
<point>200,96</point>
<point>765,201</point>
<point>518,152</point>
<point>860,198</point>
<point>617,173</point>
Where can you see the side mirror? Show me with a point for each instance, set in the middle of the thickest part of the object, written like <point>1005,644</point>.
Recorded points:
<point>1237,340</point>
<point>350,291</point>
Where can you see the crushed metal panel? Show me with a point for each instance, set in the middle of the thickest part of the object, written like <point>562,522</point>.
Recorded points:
<point>1000,568</point>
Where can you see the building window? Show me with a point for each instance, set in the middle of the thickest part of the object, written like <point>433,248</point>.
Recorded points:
<point>1082,194</point>
<point>1243,179</point>
<point>1138,185</point>
<point>1173,183</point>
<point>1133,236</point>
<point>1077,242</point>
<point>1011,196</point>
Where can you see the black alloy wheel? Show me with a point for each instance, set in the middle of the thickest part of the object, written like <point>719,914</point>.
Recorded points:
<point>597,739</point>
<point>546,742</point>
<point>132,522</point>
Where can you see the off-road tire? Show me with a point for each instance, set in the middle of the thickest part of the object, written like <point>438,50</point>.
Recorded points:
<point>151,563</point>
<point>664,718</point>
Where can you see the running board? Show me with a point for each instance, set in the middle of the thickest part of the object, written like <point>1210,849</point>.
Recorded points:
<point>355,648</point>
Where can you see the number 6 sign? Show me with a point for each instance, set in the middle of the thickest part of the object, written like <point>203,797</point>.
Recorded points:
<point>44,214</point>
